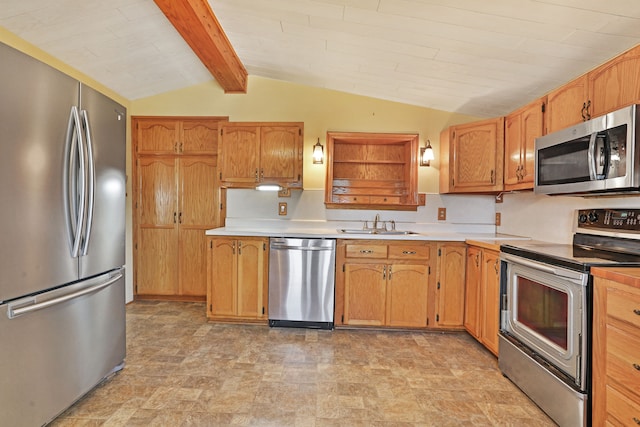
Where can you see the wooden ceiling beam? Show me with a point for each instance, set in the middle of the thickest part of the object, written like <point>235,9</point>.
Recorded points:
<point>199,27</point>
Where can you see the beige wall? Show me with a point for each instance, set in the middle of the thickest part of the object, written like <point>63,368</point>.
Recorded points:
<point>321,110</point>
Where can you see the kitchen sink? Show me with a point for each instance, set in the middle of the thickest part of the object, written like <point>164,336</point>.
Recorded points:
<point>371,231</point>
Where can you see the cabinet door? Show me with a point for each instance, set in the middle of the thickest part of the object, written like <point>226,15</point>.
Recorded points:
<point>281,154</point>
<point>478,156</point>
<point>198,195</point>
<point>512,142</point>
<point>472,292</point>
<point>238,154</point>
<point>223,278</point>
<point>199,136</point>
<point>192,262</point>
<point>251,279</point>
<point>532,128</point>
<point>490,301</point>
<point>615,84</point>
<point>522,127</point>
<point>365,294</point>
<point>407,295</point>
<point>157,136</point>
<point>566,105</point>
<point>157,234</point>
<point>157,203</point>
<point>450,294</point>
<point>157,265</point>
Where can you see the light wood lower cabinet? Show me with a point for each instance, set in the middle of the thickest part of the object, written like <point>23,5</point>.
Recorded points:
<point>482,296</point>
<point>393,284</point>
<point>237,285</point>
<point>616,350</point>
<point>448,294</point>
<point>382,283</point>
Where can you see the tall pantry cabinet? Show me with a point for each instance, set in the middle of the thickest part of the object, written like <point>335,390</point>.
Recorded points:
<point>176,198</point>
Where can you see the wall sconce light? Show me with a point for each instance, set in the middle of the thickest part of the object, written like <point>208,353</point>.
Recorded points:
<point>426,154</point>
<point>318,153</point>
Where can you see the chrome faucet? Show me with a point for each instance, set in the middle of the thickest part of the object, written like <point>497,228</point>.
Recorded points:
<point>375,221</point>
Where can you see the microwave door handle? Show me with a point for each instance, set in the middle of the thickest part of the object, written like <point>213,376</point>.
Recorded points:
<point>592,157</point>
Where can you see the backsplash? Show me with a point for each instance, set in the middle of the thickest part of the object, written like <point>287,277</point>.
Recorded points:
<point>471,213</point>
<point>550,218</point>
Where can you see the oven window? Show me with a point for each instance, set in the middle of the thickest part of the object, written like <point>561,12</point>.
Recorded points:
<point>544,310</point>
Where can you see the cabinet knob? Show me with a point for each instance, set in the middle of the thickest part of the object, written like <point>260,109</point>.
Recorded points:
<point>637,311</point>
<point>636,367</point>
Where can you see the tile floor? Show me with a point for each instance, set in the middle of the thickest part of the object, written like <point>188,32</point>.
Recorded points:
<point>183,371</point>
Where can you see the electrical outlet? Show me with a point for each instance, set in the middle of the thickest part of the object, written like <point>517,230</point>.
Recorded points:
<point>497,218</point>
<point>282,208</point>
<point>442,214</point>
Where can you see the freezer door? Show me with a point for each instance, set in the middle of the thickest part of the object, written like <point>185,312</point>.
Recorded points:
<point>59,346</point>
<point>104,123</point>
<point>34,114</point>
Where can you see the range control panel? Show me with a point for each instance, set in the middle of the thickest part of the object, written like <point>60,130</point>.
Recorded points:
<point>609,219</point>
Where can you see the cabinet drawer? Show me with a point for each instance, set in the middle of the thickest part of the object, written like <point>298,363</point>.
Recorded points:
<point>344,198</point>
<point>409,252</point>
<point>382,200</point>
<point>624,306</point>
<point>622,408</point>
<point>366,251</point>
<point>623,358</point>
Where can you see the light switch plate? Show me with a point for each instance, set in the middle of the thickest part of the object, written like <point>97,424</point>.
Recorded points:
<point>282,208</point>
<point>442,214</point>
<point>498,218</point>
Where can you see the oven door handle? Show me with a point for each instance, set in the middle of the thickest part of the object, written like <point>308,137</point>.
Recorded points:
<point>576,276</point>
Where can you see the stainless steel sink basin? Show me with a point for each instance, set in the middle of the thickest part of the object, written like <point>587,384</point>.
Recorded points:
<point>370,231</point>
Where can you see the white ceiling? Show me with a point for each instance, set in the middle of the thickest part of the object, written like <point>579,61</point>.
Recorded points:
<point>478,57</point>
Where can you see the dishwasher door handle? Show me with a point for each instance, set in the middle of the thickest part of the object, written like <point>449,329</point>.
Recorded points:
<point>300,248</point>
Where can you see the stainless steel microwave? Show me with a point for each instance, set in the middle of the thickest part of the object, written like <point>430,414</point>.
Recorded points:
<point>593,157</point>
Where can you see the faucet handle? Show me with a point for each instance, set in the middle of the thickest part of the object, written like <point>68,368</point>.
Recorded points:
<point>393,225</point>
<point>365,225</point>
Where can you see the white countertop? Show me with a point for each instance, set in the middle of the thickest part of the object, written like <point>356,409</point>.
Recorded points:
<point>329,230</point>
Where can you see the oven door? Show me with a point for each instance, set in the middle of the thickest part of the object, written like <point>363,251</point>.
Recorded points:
<point>545,309</point>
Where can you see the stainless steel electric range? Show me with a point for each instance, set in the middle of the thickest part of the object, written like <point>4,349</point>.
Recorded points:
<point>546,304</point>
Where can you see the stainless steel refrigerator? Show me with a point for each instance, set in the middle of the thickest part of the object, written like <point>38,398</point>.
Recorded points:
<point>62,239</point>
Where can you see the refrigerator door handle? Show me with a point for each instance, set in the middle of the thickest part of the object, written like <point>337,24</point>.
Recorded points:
<point>18,308</point>
<point>75,181</point>
<point>90,181</point>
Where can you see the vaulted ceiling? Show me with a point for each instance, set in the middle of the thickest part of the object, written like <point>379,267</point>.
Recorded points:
<point>483,58</point>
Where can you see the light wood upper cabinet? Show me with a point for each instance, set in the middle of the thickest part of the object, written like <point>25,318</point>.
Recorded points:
<point>611,86</point>
<point>237,278</point>
<point>615,84</point>
<point>472,157</point>
<point>371,171</point>
<point>189,135</point>
<point>521,128</point>
<point>567,105</point>
<point>256,152</point>
<point>281,154</point>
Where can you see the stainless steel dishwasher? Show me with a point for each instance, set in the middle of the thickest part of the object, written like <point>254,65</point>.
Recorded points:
<point>301,282</point>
